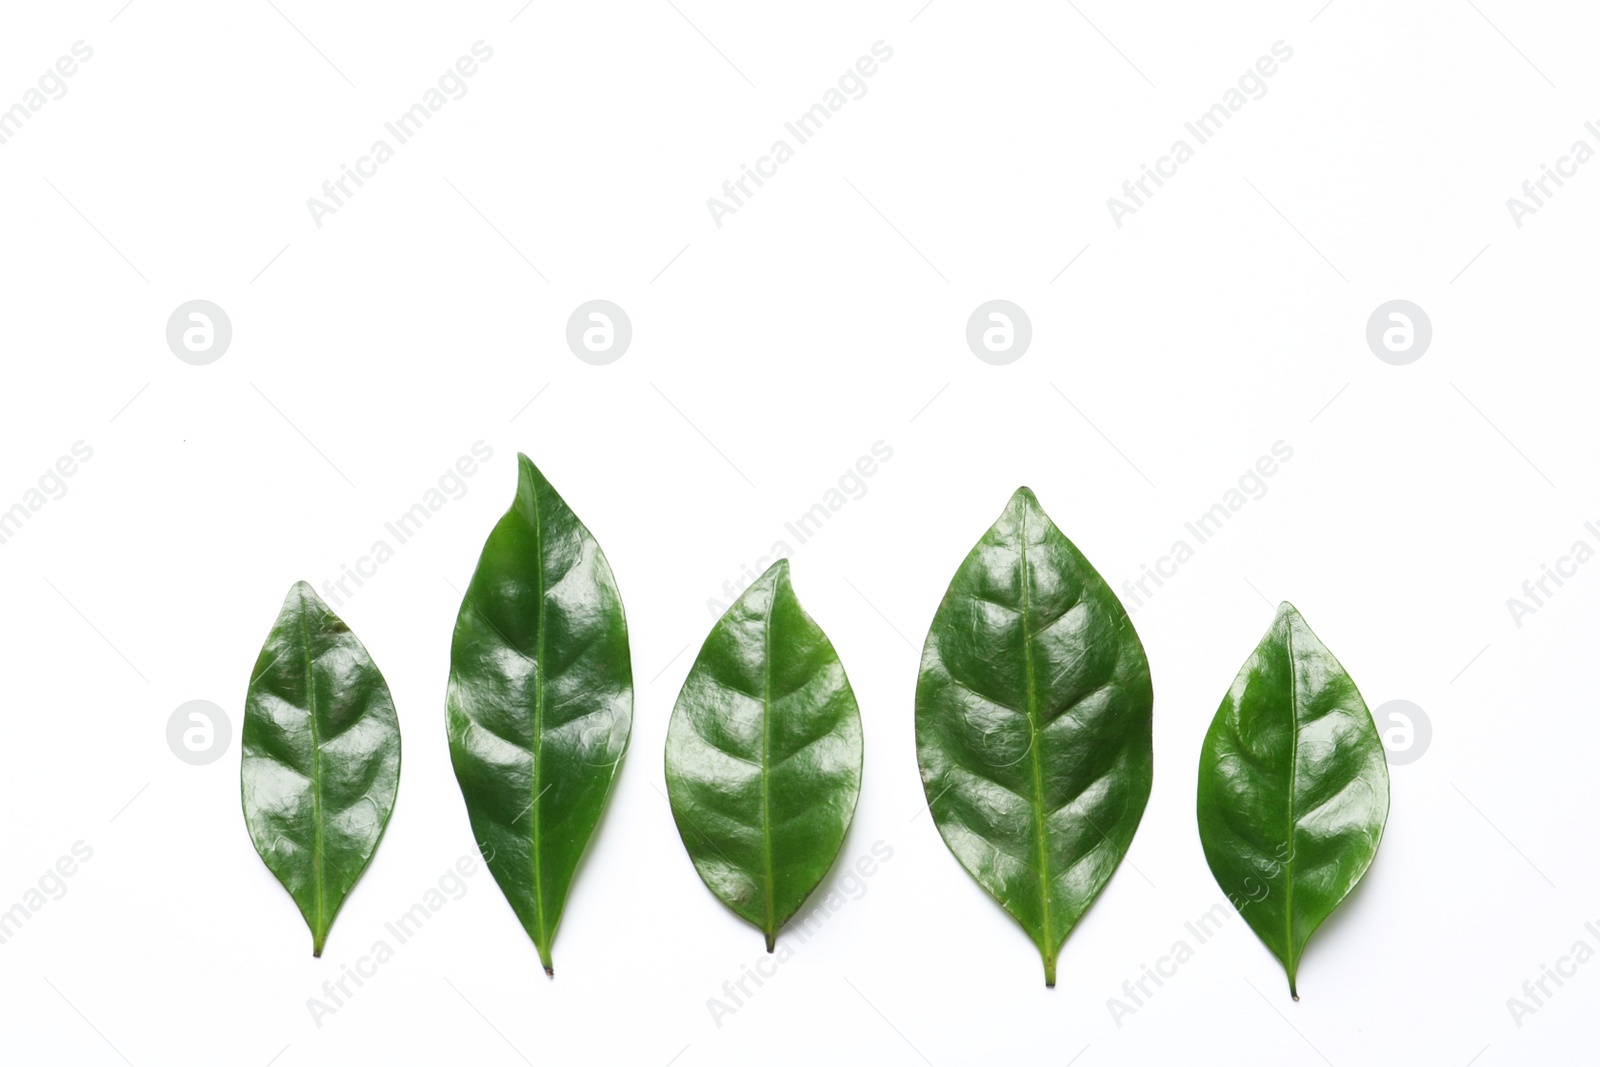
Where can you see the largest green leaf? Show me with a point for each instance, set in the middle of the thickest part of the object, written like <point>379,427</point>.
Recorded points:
<point>1033,724</point>
<point>321,758</point>
<point>764,755</point>
<point>1294,788</point>
<point>540,700</point>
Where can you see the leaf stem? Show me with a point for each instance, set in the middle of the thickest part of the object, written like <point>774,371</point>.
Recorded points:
<point>544,957</point>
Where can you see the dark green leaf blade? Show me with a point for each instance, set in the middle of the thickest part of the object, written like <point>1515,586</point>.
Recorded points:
<point>764,753</point>
<point>540,701</point>
<point>1034,724</point>
<point>321,758</point>
<point>1294,788</point>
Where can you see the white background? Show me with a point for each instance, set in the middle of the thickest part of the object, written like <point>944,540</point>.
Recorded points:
<point>827,314</point>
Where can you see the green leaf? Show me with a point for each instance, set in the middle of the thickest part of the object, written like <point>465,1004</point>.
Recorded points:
<point>1294,788</point>
<point>764,755</point>
<point>321,758</point>
<point>540,702</point>
<point>1033,724</point>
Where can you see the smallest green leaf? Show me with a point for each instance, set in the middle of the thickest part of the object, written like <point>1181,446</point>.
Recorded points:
<point>321,761</point>
<point>763,757</point>
<point>1294,788</point>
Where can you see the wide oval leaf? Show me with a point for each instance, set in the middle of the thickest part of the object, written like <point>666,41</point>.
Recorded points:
<point>1294,788</point>
<point>1033,724</point>
<point>540,700</point>
<point>321,759</point>
<point>764,755</point>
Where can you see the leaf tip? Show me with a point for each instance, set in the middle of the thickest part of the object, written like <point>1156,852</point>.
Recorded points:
<point>301,597</point>
<point>772,942</point>
<point>774,578</point>
<point>302,593</point>
<point>527,470</point>
<point>550,972</point>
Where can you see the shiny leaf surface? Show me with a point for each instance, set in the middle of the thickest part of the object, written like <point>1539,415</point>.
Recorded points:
<point>1294,788</point>
<point>540,700</point>
<point>1034,724</point>
<point>321,759</point>
<point>764,755</point>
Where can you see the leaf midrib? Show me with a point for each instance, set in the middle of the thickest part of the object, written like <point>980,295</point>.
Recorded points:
<point>316,776</point>
<point>766,757</point>
<point>534,852</point>
<point>1294,766</point>
<point>1047,936</point>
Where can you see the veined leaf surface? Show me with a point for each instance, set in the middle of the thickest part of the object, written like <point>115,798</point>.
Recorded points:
<point>321,759</point>
<point>1294,788</point>
<point>764,755</point>
<point>1034,724</point>
<point>540,701</point>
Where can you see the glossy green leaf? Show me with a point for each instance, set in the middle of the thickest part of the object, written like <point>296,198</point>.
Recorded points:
<point>540,702</point>
<point>321,758</point>
<point>1294,788</point>
<point>1033,724</point>
<point>764,755</point>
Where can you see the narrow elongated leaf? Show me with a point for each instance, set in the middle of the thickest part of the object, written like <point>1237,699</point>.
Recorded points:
<point>540,702</point>
<point>321,758</point>
<point>1294,788</point>
<point>1033,724</point>
<point>764,755</point>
